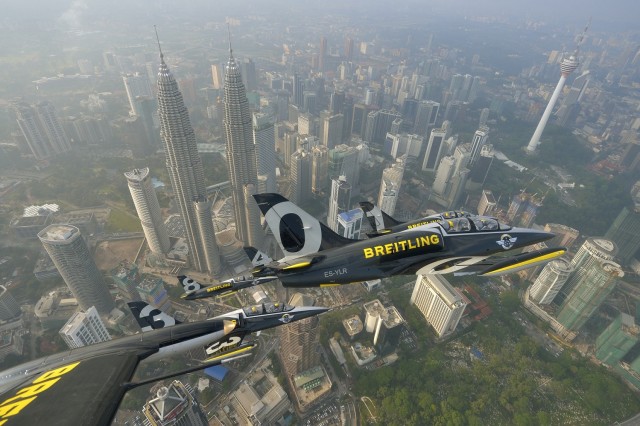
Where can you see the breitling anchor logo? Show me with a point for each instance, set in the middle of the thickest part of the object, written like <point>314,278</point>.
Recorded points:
<point>286,318</point>
<point>506,241</point>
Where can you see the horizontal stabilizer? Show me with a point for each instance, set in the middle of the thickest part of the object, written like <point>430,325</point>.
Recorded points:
<point>149,317</point>
<point>523,261</point>
<point>257,257</point>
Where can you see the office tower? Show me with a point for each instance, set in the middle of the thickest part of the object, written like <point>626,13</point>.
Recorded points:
<point>174,405</point>
<point>617,339</point>
<point>455,87</point>
<point>146,203</point>
<point>300,176</point>
<point>349,49</point>
<point>359,119</point>
<point>241,151</point>
<point>249,76</point>
<point>548,284</point>
<point>426,117</point>
<point>487,204</point>
<point>390,187</point>
<point>378,125</point>
<point>473,90</point>
<point>217,76</point>
<point>332,130</point>
<point>434,148</point>
<point>570,107</point>
<point>282,104</point>
<point>369,96</point>
<point>298,91</point>
<point>306,124</point>
<point>597,281</point>
<point>625,232</point>
<point>565,235</point>
<point>9,307</point>
<point>299,340</point>
<point>439,302</point>
<point>386,325</point>
<point>443,175</point>
<point>397,145</point>
<point>70,254</point>
<point>479,139</point>
<point>567,66</point>
<point>343,161</point>
<point>350,223</point>
<point>185,170</point>
<point>530,212</point>
<point>319,169</point>
<point>310,102</point>
<point>147,109</point>
<point>137,86</point>
<point>289,145</point>
<point>339,201</point>
<point>264,137</point>
<point>336,102</point>
<point>84,329</point>
<point>484,116</point>
<point>322,53</point>
<point>523,209</point>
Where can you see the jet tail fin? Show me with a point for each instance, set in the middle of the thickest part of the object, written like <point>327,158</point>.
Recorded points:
<point>296,231</point>
<point>149,317</point>
<point>189,285</point>
<point>257,257</point>
<point>377,218</point>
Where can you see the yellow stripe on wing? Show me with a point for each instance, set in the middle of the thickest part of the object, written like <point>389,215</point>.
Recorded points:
<point>230,354</point>
<point>548,256</point>
<point>297,265</point>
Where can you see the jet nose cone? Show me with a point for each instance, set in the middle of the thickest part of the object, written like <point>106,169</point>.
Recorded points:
<point>527,236</point>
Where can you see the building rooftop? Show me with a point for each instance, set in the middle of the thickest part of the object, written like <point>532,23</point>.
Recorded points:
<point>353,325</point>
<point>390,316</point>
<point>58,232</point>
<point>43,210</point>
<point>351,215</point>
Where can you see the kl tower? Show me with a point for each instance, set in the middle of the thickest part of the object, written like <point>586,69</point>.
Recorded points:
<point>567,66</point>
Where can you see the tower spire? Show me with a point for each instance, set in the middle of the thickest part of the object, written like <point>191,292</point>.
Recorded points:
<point>159,47</point>
<point>230,49</point>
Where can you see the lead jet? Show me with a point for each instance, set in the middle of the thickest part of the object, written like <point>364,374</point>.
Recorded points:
<point>462,244</point>
<point>194,290</point>
<point>84,386</point>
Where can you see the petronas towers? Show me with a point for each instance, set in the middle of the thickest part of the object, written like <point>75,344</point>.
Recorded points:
<point>186,173</point>
<point>241,156</point>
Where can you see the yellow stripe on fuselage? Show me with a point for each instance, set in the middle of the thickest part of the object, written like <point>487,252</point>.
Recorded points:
<point>230,353</point>
<point>548,256</point>
<point>329,285</point>
<point>297,265</point>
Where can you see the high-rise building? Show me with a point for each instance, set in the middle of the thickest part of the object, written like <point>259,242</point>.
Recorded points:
<point>298,91</point>
<point>343,161</point>
<point>70,254</point>
<point>174,405</point>
<point>137,85</point>
<point>349,49</point>
<point>617,339</point>
<point>249,76</point>
<point>479,139</point>
<point>300,176</point>
<point>565,235</point>
<point>148,209</point>
<point>625,232</point>
<point>523,209</point>
<point>378,125</point>
<point>332,130</point>
<point>390,187</point>
<point>339,201</point>
<point>397,145</point>
<point>264,137</point>
<point>443,175</point>
<point>439,302</point>
<point>548,284</point>
<point>386,325</point>
<point>241,151</point>
<point>434,148</point>
<point>84,329</point>
<point>322,53</point>
<point>350,223</point>
<point>319,169</point>
<point>487,203</point>
<point>9,307</point>
<point>217,76</point>
<point>426,117</point>
<point>41,129</point>
<point>185,170</point>
<point>299,340</point>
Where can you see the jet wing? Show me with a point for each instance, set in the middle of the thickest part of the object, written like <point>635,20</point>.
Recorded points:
<point>496,266</point>
<point>86,392</point>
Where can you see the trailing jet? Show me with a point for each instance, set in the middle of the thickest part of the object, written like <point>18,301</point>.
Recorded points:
<point>84,386</point>
<point>458,243</point>
<point>194,290</point>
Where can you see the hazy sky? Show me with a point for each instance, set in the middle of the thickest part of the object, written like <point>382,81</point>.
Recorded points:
<point>77,12</point>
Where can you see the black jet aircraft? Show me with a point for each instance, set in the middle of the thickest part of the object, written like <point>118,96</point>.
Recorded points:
<point>194,290</point>
<point>84,386</point>
<point>461,244</point>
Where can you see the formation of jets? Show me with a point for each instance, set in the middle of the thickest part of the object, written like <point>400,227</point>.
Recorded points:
<point>85,385</point>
